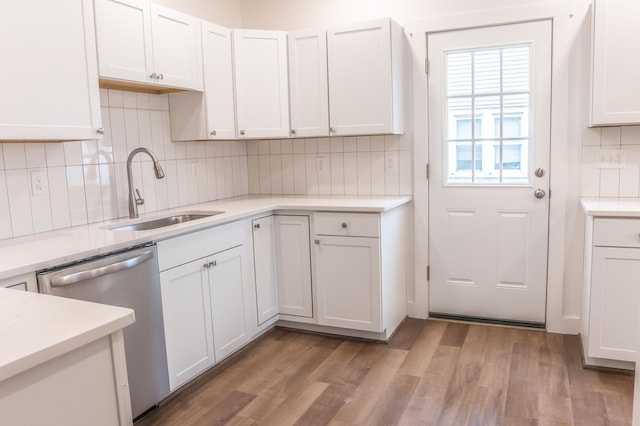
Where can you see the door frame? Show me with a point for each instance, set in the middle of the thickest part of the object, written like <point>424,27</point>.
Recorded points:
<point>560,13</point>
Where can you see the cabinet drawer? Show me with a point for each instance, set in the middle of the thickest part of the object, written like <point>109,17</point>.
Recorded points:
<point>185,248</point>
<point>348,224</point>
<point>616,232</point>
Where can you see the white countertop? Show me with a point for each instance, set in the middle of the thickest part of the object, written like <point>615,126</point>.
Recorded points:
<point>27,254</point>
<point>611,207</point>
<point>35,328</point>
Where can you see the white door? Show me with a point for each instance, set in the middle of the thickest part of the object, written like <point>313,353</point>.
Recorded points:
<point>489,132</point>
<point>348,282</point>
<point>265,271</point>
<point>228,310</point>
<point>187,321</point>
<point>293,265</point>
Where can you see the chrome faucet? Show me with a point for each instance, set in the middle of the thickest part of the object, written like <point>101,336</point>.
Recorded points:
<point>135,199</point>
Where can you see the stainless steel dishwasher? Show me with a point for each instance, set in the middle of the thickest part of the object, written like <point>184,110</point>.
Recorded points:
<point>129,279</point>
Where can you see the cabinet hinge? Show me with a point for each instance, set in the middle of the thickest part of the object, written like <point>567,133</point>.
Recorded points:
<point>427,171</point>
<point>428,272</point>
<point>549,194</point>
<point>426,65</point>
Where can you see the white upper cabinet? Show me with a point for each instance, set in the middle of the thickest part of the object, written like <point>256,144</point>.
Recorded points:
<point>49,78</point>
<point>140,42</point>
<point>365,78</point>
<point>308,86</point>
<point>218,77</point>
<point>210,114</point>
<point>615,92</point>
<point>262,93</point>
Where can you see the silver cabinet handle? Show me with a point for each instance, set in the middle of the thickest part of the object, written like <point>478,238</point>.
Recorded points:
<point>213,263</point>
<point>316,241</point>
<point>344,225</point>
<point>539,193</point>
<point>257,226</point>
<point>242,132</point>
<point>206,265</point>
<point>100,131</point>
<point>332,129</point>
<point>77,277</point>
<point>154,75</point>
<point>293,131</point>
<point>161,76</point>
<point>213,133</point>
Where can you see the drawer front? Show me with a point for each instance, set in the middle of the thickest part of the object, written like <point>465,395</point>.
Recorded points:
<point>347,224</point>
<point>185,248</point>
<point>616,232</point>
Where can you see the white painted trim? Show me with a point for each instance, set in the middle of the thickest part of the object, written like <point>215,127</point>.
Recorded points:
<point>561,12</point>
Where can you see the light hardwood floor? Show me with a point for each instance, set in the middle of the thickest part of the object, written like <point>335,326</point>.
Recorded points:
<point>431,373</point>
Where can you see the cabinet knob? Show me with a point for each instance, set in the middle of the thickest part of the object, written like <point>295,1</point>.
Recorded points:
<point>213,133</point>
<point>212,264</point>
<point>316,241</point>
<point>206,266</point>
<point>293,131</point>
<point>344,225</point>
<point>242,132</point>
<point>154,75</point>
<point>161,76</point>
<point>257,226</point>
<point>332,129</point>
<point>100,131</point>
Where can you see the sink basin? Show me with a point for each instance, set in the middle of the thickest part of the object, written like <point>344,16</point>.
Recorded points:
<point>161,222</point>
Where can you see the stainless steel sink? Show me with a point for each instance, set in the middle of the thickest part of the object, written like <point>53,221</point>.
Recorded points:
<point>164,221</point>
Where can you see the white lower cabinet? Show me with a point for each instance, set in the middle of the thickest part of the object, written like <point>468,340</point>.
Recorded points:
<point>264,266</point>
<point>26,282</point>
<point>293,266</point>
<point>206,302</point>
<point>612,292</point>
<point>360,270</point>
<point>348,277</point>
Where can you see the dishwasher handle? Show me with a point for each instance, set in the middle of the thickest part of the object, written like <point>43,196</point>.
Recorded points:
<point>77,277</point>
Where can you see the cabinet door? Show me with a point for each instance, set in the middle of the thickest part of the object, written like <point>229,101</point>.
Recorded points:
<point>49,79</point>
<point>26,282</point>
<point>293,265</point>
<point>615,97</point>
<point>218,82</point>
<point>265,273</point>
<point>177,48</point>
<point>615,303</point>
<point>360,89</point>
<point>262,94</point>
<point>187,321</point>
<point>228,310</point>
<point>348,282</point>
<point>308,86</point>
<point>123,31</point>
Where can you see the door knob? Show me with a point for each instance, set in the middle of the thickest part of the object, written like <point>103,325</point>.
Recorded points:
<point>539,193</point>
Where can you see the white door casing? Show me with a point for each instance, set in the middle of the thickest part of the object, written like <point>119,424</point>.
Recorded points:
<point>488,232</point>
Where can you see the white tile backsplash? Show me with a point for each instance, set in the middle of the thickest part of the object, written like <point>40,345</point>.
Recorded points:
<point>609,182</point>
<point>88,179</point>
<point>353,165</point>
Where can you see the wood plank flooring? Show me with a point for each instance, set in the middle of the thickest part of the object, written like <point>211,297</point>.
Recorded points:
<point>431,373</point>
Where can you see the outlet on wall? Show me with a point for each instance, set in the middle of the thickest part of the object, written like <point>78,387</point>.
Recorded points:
<point>39,183</point>
<point>609,158</point>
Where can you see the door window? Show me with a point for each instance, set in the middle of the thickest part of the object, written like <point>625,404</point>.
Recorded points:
<point>487,103</point>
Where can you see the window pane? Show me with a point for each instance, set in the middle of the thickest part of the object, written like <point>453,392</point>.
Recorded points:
<point>515,69</point>
<point>463,156</point>
<point>486,71</point>
<point>515,162</point>
<point>514,106</point>
<point>458,73</point>
<point>485,172</point>
<point>458,108</point>
<point>487,107</point>
<point>464,130</point>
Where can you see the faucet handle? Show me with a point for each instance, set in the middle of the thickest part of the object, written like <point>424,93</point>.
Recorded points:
<point>139,199</point>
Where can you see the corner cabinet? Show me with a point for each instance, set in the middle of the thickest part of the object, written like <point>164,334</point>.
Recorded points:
<point>141,42</point>
<point>264,267</point>
<point>615,93</point>
<point>360,270</point>
<point>262,85</point>
<point>49,80</point>
<point>365,78</point>
<point>210,114</point>
<point>612,292</point>
<point>207,299</point>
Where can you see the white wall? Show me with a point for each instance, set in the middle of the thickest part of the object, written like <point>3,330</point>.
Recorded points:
<point>222,12</point>
<point>88,180</point>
